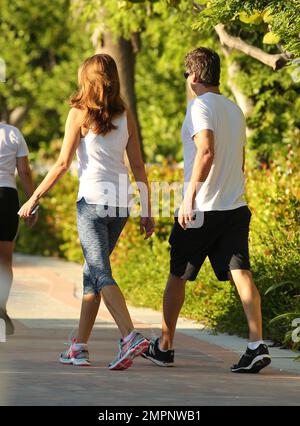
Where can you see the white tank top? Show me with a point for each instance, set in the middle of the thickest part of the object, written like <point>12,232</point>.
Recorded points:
<point>103,175</point>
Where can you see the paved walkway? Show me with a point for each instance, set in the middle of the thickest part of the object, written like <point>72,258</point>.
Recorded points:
<point>45,304</point>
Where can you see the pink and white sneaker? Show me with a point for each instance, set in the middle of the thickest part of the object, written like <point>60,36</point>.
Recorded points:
<point>76,355</point>
<point>136,345</point>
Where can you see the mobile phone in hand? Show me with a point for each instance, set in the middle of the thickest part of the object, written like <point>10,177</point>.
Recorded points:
<point>34,210</point>
<point>198,220</point>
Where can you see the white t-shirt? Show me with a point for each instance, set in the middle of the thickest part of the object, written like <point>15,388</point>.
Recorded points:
<point>224,187</point>
<point>12,145</point>
<point>103,175</point>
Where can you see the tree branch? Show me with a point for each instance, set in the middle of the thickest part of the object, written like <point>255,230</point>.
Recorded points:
<point>199,7</point>
<point>136,42</point>
<point>18,115</point>
<point>276,61</point>
<point>233,68</point>
<point>4,113</point>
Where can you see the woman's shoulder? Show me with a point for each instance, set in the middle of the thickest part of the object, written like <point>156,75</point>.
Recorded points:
<point>76,114</point>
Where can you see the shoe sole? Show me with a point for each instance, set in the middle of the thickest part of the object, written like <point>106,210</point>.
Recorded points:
<point>156,362</point>
<point>76,362</point>
<point>127,360</point>
<point>259,362</point>
<point>124,364</point>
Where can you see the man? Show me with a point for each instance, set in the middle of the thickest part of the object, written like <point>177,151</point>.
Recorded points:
<point>214,136</point>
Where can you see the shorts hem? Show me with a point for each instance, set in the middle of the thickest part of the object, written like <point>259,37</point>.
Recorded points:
<point>183,277</point>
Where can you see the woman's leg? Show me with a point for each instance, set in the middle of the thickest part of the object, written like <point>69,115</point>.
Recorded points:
<point>115,303</point>
<point>97,238</point>
<point>89,308</point>
<point>6,279</point>
<point>112,295</point>
<point>9,222</point>
<point>6,272</point>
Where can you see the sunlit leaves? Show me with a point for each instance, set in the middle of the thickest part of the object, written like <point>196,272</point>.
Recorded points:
<point>271,38</point>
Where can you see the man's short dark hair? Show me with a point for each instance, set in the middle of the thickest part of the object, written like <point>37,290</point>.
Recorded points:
<point>205,63</point>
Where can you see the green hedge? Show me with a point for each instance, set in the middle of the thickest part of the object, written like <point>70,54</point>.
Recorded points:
<point>141,267</point>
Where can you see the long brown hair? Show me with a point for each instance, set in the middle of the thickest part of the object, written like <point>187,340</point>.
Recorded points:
<point>99,93</point>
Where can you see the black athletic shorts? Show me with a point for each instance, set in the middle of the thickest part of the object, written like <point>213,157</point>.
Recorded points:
<point>9,219</point>
<point>223,237</point>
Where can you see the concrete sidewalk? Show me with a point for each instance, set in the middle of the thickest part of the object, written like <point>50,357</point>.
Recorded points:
<point>45,303</point>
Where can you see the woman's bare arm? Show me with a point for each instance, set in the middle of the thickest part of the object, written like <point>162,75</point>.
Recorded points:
<point>25,175</point>
<point>138,169</point>
<point>69,146</point>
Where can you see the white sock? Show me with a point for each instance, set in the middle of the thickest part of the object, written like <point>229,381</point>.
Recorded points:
<point>255,345</point>
<point>79,346</point>
<point>130,335</point>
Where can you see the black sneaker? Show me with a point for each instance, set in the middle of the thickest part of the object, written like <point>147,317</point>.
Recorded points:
<point>252,361</point>
<point>161,358</point>
<point>10,329</point>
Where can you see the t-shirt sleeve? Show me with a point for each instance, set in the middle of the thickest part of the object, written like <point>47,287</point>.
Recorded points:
<point>22,150</point>
<point>200,118</point>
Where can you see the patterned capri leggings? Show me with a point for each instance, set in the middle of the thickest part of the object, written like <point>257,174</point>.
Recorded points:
<point>99,228</point>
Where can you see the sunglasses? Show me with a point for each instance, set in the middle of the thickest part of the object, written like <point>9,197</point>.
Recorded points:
<point>186,74</point>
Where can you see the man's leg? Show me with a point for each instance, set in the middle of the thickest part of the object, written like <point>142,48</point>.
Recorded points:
<point>257,354</point>
<point>172,303</point>
<point>251,301</point>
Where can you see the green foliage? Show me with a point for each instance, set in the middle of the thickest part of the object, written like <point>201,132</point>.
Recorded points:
<point>42,48</point>
<point>279,16</point>
<point>160,84</point>
<point>42,56</point>
<point>274,119</point>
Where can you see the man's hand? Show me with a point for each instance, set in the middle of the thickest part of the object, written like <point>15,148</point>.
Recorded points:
<point>186,213</point>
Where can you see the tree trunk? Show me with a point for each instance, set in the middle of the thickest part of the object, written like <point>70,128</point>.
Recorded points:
<point>242,100</point>
<point>4,113</point>
<point>18,115</point>
<point>233,69</point>
<point>124,52</point>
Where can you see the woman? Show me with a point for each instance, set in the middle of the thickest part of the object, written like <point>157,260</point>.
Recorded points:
<point>101,129</point>
<point>13,153</point>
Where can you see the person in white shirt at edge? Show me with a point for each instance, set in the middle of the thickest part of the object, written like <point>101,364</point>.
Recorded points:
<point>13,154</point>
<point>213,219</point>
<point>101,128</point>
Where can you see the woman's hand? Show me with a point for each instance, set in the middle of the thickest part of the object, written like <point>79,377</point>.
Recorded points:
<point>147,226</point>
<point>27,208</point>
